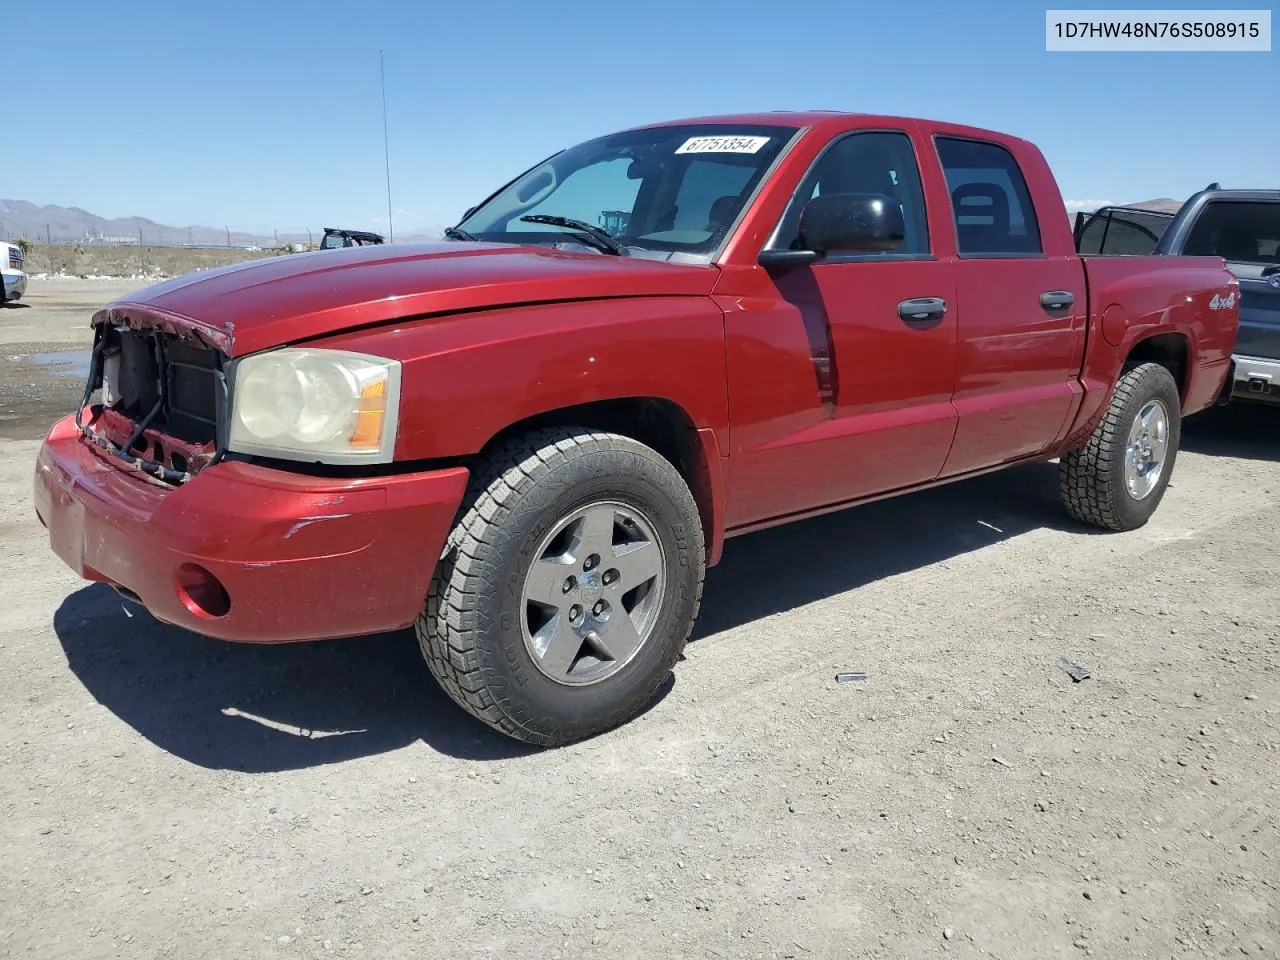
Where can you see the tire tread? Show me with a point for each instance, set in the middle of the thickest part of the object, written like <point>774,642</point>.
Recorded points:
<point>445,629</point>
<point>1086,476</point>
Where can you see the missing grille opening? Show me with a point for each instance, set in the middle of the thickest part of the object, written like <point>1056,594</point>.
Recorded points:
<point>182,376</point>
<point>161,398</point>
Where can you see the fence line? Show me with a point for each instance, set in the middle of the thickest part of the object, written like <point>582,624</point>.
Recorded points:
<point>169,239</point>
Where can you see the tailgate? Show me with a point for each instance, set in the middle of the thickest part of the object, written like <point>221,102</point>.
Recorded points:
<point>1259,334</point>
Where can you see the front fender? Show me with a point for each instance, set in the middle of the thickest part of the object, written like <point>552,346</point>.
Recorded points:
<point>468,376</point>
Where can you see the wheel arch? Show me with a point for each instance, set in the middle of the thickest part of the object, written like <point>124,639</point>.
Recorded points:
<point>1171,350</point>
<point>659,423</point>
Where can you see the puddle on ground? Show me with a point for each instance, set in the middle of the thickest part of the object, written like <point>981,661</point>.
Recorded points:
<point>68,363</point>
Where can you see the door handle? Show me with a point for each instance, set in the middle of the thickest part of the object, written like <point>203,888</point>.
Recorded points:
<point>1057,299</point>
<point>922,309</point>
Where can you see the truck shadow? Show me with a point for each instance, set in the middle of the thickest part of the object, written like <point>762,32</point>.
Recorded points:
<point>273,708</point>
<point>263,708</point>
<point>1250,431</point>
<point>786,567</point>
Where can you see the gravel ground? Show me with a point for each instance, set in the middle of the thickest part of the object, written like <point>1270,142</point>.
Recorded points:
<point>168,796</point>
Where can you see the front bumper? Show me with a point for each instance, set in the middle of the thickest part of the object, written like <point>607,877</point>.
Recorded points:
<point>248,553</point>
<point>15,284</point>
<point>1256,378</point>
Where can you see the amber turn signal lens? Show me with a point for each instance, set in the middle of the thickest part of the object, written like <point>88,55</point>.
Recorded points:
<point>371,410</point>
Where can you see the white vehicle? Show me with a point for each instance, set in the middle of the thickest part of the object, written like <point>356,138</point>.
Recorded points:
<point>11,263</point>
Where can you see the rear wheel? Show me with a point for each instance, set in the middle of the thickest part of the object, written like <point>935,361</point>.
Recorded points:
<point>1118,478</point>
<point>568,587</point>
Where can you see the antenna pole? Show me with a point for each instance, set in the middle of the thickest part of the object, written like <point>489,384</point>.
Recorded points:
<point>386,147</point>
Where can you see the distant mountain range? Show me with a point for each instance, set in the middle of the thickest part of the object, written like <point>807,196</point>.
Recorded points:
<point>1163,205</point>
<point>18,218</point>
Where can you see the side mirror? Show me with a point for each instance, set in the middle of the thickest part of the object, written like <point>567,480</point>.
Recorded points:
<point>851,223</point>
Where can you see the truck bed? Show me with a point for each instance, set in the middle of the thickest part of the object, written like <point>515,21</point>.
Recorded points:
<point>1130,297</point>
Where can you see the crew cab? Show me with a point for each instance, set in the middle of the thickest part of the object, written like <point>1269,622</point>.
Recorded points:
<point>531,439</point>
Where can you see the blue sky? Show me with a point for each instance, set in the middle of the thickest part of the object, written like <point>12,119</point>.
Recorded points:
<point>266,114</point>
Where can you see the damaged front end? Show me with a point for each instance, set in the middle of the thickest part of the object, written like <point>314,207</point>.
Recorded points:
<point>252,551</point>
<point>162,405</point>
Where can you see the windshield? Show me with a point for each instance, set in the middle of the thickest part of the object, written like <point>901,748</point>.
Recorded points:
<point>1239,231</point>
<point>660,191</point>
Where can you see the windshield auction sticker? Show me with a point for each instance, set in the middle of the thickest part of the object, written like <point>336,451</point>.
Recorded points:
<point>1167,30</point>
<point>722,145</point>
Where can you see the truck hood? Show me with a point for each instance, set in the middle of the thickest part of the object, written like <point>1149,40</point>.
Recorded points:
<point>267,303</point>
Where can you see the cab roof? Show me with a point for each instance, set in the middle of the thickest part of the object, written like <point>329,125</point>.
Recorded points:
<point>827,120</point>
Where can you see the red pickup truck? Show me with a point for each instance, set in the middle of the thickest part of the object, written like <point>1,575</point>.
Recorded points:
<point>531,438</point>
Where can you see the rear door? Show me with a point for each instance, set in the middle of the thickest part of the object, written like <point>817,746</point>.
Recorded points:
<point>1022,313</point>
<point>1246,233</point>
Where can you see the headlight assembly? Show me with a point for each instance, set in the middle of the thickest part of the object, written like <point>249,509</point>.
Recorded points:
<point>322,406</point>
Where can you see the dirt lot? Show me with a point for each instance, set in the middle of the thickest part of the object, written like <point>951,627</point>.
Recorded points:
<point>95,261</point>
<point>167,796</point>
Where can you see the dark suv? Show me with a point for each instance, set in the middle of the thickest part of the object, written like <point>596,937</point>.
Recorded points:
<point>1242,227</point>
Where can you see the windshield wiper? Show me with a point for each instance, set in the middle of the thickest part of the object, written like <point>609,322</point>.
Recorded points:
<point>457,233</point>
<point>602,238</point>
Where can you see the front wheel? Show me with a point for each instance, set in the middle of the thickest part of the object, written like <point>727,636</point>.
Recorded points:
<point>568,587</point>
<point>1118,478</point>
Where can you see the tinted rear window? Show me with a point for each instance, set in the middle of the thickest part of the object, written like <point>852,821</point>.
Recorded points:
<point>1239,231</point>
<point>993,211</point>
<point>1122,233</point>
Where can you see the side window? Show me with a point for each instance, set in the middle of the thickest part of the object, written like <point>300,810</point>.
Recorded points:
<point>1116,235</point>
<point>1238,231</point>
<point>872,162</point>
<point>993,211</point>
<point>1128,239</point>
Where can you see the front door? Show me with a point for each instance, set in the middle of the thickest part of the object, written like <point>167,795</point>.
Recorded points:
<point>881,330</point>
